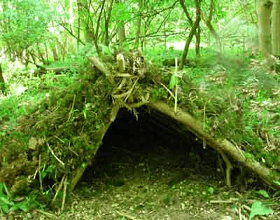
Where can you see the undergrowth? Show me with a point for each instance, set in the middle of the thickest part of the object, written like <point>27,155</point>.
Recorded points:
<point>54,126</point>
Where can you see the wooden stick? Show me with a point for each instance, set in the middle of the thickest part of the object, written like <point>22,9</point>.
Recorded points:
<point>224,146</point>
<point>64,193</point>
<point>55,155</point>
<point>59,188</point>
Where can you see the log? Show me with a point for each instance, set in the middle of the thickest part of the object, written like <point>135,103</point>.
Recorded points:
<point>225,146</point>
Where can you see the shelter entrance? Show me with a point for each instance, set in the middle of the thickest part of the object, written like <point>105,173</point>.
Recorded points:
<point>151,147</point>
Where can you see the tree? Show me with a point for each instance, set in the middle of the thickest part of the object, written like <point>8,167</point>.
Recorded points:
<point>275,28</point>
<point>2,82</point>
<point>192,31</point>
<point>24,28</point>
<point>139,20</point>
<point>264,10</point>
<point>268,24</point>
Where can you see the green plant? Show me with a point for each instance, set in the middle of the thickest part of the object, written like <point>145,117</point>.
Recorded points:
<point>7,204</point>
<point>258,208</point>
<point>263,193</point>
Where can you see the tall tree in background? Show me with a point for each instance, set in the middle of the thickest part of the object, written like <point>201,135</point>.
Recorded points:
<point>269,27</point>
<point>2,81</point>
<point>120,23</point>
<point>195,26</point>
<point>275,28</point>
<point>139,20</point>
<point>264,10</point>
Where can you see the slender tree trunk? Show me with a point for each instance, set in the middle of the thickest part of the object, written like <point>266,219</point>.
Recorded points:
<point>275,28</point>
<point>138,32</point>
<point>107,21</point>
<point>264,12</point>
<point>2,81</point>
<point>191,34</point>
<point>197,32</point>
<point>197,43</point>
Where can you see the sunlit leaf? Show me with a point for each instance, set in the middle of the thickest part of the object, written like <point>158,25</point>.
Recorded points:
<point>258,208</point>
<point>263,193</point>
<point>173,82</point>
<point>211,190</point>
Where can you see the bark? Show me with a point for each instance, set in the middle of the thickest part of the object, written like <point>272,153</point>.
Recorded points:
<point>275,28</point>
<point>2,81</point>
<point>107,21</point>
<point>197,32</point>
<point>191,34</point>
<point>264,11</point>
<point>209,20</point>
<point>197,43</point>
<point>137,37</point>
<point>221,146</point>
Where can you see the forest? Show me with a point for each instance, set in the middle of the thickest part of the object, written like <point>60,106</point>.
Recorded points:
<point>140,109</point>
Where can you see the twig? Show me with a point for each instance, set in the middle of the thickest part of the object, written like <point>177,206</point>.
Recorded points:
<point>223,201</point>
<point>240,215</point>
<point>62,141</point>
<point>55,155</point>
<point>64,193</point>
<point>176,88</point>
<point>59,188</point>
<point>7,191</point>
<point>47,214</point>
<point>168,90</point>
<point>71,111</point>
<point>40,175</point>
<point>131,89</point>
<point>204,121</point>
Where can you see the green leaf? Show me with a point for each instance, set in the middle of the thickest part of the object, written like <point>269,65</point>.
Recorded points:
<point>211,190</point>
<point>173,82</point>
<point>4,208</point>
<point>263,193</point>
<point>2,188</point>
<point>276,182</point>
<point>6,200</point>
<point>23,206</point>
<point>258,208</point>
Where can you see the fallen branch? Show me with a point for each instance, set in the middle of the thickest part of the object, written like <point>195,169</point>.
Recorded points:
<point>269,176</point>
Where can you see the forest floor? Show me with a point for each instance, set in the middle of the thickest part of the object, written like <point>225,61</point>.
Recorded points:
<point>155,187</point>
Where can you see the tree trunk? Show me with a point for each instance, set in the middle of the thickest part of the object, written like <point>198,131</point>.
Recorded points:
<point>264,11</point>
<point>197,43</point>
<point>138,32</point>
<point>191,34</point>
<point>275,28</point>
<point>197,32</point>
<point>2,81</point>
<point>107,21</point>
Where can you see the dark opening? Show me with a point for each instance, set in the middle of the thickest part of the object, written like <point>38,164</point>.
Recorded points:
<point>154,146</point>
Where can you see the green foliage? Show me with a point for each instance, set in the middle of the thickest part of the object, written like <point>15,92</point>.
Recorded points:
<point>258,208</point>
<point>8,205</point>
<point>211,190</point>
<point>121,11</point>
<point>25,24</point>
<point>173,81</point>
<point>263,193</point>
